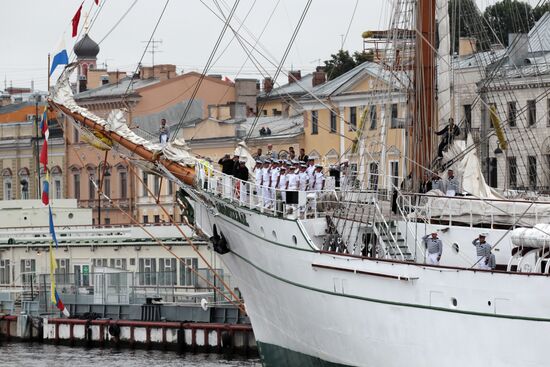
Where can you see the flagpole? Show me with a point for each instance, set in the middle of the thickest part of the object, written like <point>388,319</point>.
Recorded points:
<point>48,71</point>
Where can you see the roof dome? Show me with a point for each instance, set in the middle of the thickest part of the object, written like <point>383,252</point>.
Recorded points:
<point>86,48</point>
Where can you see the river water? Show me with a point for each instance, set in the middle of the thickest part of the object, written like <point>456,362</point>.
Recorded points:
<point>43,355</point>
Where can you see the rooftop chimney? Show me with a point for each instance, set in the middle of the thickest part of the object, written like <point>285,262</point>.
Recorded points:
<point>518,47</point>
<point>268,85</point>
<point>294,75</point>
<point>467,46</point>
<point>319,77</point>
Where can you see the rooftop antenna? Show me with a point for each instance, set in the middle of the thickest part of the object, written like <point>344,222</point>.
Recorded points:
<point>153,48</point>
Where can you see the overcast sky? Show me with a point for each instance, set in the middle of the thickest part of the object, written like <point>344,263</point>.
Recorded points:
<point>29,29</point>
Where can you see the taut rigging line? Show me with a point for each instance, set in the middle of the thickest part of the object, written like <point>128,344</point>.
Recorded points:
<point>280,66</point>
<point>205,70</point>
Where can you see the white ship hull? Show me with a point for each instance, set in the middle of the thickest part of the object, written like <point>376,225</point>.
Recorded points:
<point>319,309</point>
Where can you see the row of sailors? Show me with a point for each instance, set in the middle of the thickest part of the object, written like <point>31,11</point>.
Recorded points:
<point>289,175</point>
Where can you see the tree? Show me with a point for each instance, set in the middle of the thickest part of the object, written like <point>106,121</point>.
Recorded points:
<point>465,20</point>
<point>342,62</point>
<point>508,16</point>
<point>539,11</point>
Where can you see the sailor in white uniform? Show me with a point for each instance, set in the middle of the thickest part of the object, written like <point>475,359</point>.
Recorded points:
<point>319,178</point>
<point>273,183</point>
<point>310,170</point>
<point>453,185</point>
<point>483,252</point>
<point>303,178</point>
<point>266,177</point>
<point>292,188</point>
<point>257,181</point>
<point>435,248</point>
<point>283,182</point>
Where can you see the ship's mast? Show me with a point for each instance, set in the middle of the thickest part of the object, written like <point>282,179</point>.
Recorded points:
<point>423,119</point>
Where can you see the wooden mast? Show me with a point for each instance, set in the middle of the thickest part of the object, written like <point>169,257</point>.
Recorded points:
<point>423,119</point>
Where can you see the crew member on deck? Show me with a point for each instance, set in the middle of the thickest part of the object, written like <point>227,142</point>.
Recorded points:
<point>453,186</point>
<point>483,251</point>
<point>258,181</point>
<point>319,180</point>
<point>266,176</point>
<point>435,248</point>
<point>164,134</point>
<point>437,184</point>
<point>303,178</point>
<point>310,170</point>
<point>275,172</point>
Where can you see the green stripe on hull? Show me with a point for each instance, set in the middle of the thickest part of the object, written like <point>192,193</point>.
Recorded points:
<point>275,356</point>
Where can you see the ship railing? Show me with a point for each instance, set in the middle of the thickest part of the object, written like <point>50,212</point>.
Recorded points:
<point>464,210</point>
<point>291,204</point>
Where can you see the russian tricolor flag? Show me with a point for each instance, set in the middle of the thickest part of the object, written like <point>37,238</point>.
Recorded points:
<point>60,57</point>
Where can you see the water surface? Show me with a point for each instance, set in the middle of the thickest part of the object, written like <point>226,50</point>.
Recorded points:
<point>44,355</point>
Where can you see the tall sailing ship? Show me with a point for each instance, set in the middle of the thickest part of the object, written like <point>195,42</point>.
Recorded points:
<point>341,278</point>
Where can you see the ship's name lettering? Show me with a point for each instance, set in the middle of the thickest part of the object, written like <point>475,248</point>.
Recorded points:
<point>233,214</point>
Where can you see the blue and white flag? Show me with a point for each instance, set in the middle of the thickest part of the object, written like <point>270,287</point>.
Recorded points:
<point>60,57</point>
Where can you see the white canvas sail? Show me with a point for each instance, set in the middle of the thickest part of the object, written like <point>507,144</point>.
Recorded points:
<point>443,63</point>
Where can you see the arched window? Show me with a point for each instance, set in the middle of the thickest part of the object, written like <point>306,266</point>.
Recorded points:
<point>24,183</point>
<point>314,154</point>
<point>7,184</point>
<point>332,155</point>
<point>57,182</point>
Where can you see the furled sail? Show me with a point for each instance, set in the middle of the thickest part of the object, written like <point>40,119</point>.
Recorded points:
<point>443,63</point>
<point>174,156</point>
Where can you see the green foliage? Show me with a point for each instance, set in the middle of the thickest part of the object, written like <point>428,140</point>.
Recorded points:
<point>495,23</point>
<point>342,62</point>
<point>508,16</point>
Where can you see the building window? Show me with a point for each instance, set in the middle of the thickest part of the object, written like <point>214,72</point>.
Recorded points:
<point>167,271</point>
<point>62,273</point>
<point>24,182</point>
<point>75,135</point>
<point>532,171</point>
<point>468,116</point>
<point>157,218</point>
<point>145,219</point>
<point>314,122</point>
<point>148,271</point>
<point>512,113</point>
<point>28,270</point>
<point>512,172</point>
<point>107,221</point>
<point>145,179</point>
<point>332,121</point>
<point>395,123</point>
<point>91,187</point>
<point>107,185</point>
<point>123,182</point>
<point>373,176</point>
<point>156,185</point>
<point>188,278</point>
<point>532,112</point>
<point>277,112</point>
<point>8,191</point>
<point>352,118</point>
<point>394,169</point>
<point>170,187</point>
<point>4,271</point>
<point>372,115</point>
<point>76,185</point>
<point>57,188</point>
<point>118,263</point>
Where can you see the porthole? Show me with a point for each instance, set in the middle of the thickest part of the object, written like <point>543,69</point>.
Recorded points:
<point>294,239</point>
<point>274,234</point>
<point>25,218</point>
<point>456,247</point>
<point>454,302</point>
<point>488,303</point>
<point>71,215</point>
<point>262,232</point>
